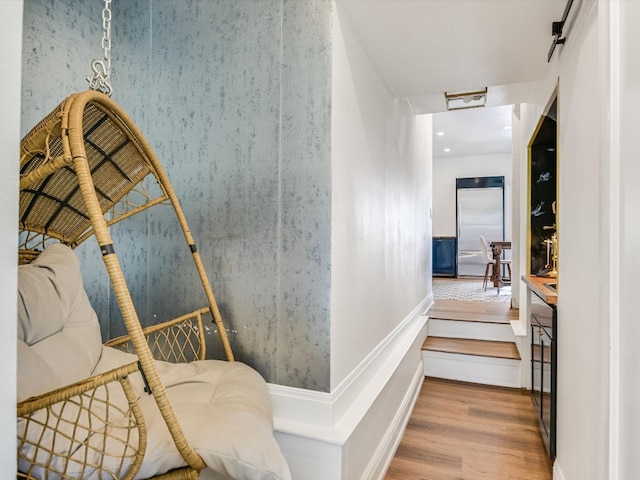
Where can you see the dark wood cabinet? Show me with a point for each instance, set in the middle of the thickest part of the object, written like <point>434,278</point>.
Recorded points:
<point>544,378</point>
<point>444,257</point>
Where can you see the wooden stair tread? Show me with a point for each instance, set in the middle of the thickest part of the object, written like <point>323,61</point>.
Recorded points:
<point>463,346</point>
<point>486,312</point>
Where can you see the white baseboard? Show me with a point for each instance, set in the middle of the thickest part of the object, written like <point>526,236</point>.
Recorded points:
<point>353,431</point>
<point>471,368</point>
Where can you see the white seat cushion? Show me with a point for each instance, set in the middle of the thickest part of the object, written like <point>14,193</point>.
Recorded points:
<point>225,412</point>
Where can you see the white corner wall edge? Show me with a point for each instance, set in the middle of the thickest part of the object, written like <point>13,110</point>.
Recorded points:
<point>557,473</point>
<point>522,342</point>
<point>329,436</point>
<point>519,330</point>
<point>10,75</point>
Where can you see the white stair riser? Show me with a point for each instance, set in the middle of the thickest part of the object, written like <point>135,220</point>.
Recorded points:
<point>501,332</point>
<point>472,368</point>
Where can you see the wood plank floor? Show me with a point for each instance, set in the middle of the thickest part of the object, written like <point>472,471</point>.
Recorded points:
<point>465,346</point>
<point>462,431</point>
<point>472,311</point>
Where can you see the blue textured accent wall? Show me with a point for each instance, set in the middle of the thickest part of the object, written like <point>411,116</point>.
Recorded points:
<point>235,97</point>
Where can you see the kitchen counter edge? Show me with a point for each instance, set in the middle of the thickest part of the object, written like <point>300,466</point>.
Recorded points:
<point>537,285</point>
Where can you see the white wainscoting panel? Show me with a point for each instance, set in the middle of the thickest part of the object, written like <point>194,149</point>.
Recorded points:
<point>353,432</point>
<point>381,459</point>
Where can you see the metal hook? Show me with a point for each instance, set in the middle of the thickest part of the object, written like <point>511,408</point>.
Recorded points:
<point>100,79</point>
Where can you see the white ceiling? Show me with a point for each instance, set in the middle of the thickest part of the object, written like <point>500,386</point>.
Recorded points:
<point>424,48</point>
<point>477,131</point>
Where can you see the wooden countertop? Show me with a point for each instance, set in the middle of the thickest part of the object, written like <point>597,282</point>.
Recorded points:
<point>537,285</point>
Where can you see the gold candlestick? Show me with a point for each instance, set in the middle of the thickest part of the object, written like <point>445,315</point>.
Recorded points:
<point>554,256</point>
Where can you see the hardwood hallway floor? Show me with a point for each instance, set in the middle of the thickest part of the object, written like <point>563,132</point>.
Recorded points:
<point>464,431</point>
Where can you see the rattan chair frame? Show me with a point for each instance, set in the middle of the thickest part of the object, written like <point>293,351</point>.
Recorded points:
<point>69,195</point>
<point>48,412</point>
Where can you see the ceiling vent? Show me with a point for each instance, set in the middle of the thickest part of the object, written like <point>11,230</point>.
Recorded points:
<point>459,101</point>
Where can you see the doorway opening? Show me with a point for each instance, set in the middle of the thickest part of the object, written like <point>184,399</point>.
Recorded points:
<point>470,147</point>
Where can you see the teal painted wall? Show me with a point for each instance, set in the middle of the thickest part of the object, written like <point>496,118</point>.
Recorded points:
<point>235,97</point>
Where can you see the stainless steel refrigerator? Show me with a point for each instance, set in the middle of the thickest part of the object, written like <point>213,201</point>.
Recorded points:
<point>480,211</point>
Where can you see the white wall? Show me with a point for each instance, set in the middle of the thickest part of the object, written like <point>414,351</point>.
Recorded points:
<point>381,188</point>
<point>380,258</point>
<point>582,330</point>
<point>518,225</point>
<point>445,172</point>
<point>624,113</point>
<point>583,297</point>
<point>10,71</point>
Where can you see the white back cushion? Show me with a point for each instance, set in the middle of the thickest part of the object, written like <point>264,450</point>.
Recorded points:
<point>56,322</point>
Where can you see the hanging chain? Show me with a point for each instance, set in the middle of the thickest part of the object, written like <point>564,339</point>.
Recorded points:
<point>102,68</point>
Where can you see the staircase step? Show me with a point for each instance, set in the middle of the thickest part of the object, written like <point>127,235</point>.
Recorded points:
<point>477,361</point>
<point>501,332</point>
<point>472,342</point>
<point>470,368</point>
<point>486,312</point>
<point>466,346</point>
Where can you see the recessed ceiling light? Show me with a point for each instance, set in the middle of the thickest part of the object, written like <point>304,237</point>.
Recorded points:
<point>440,134</point>
<point>508,127</point>
<point>447,149</point>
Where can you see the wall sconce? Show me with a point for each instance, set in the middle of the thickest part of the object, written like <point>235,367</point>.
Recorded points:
<point>458,101</point>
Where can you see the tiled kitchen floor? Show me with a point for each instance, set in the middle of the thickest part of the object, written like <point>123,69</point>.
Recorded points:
<point>468,289</point>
